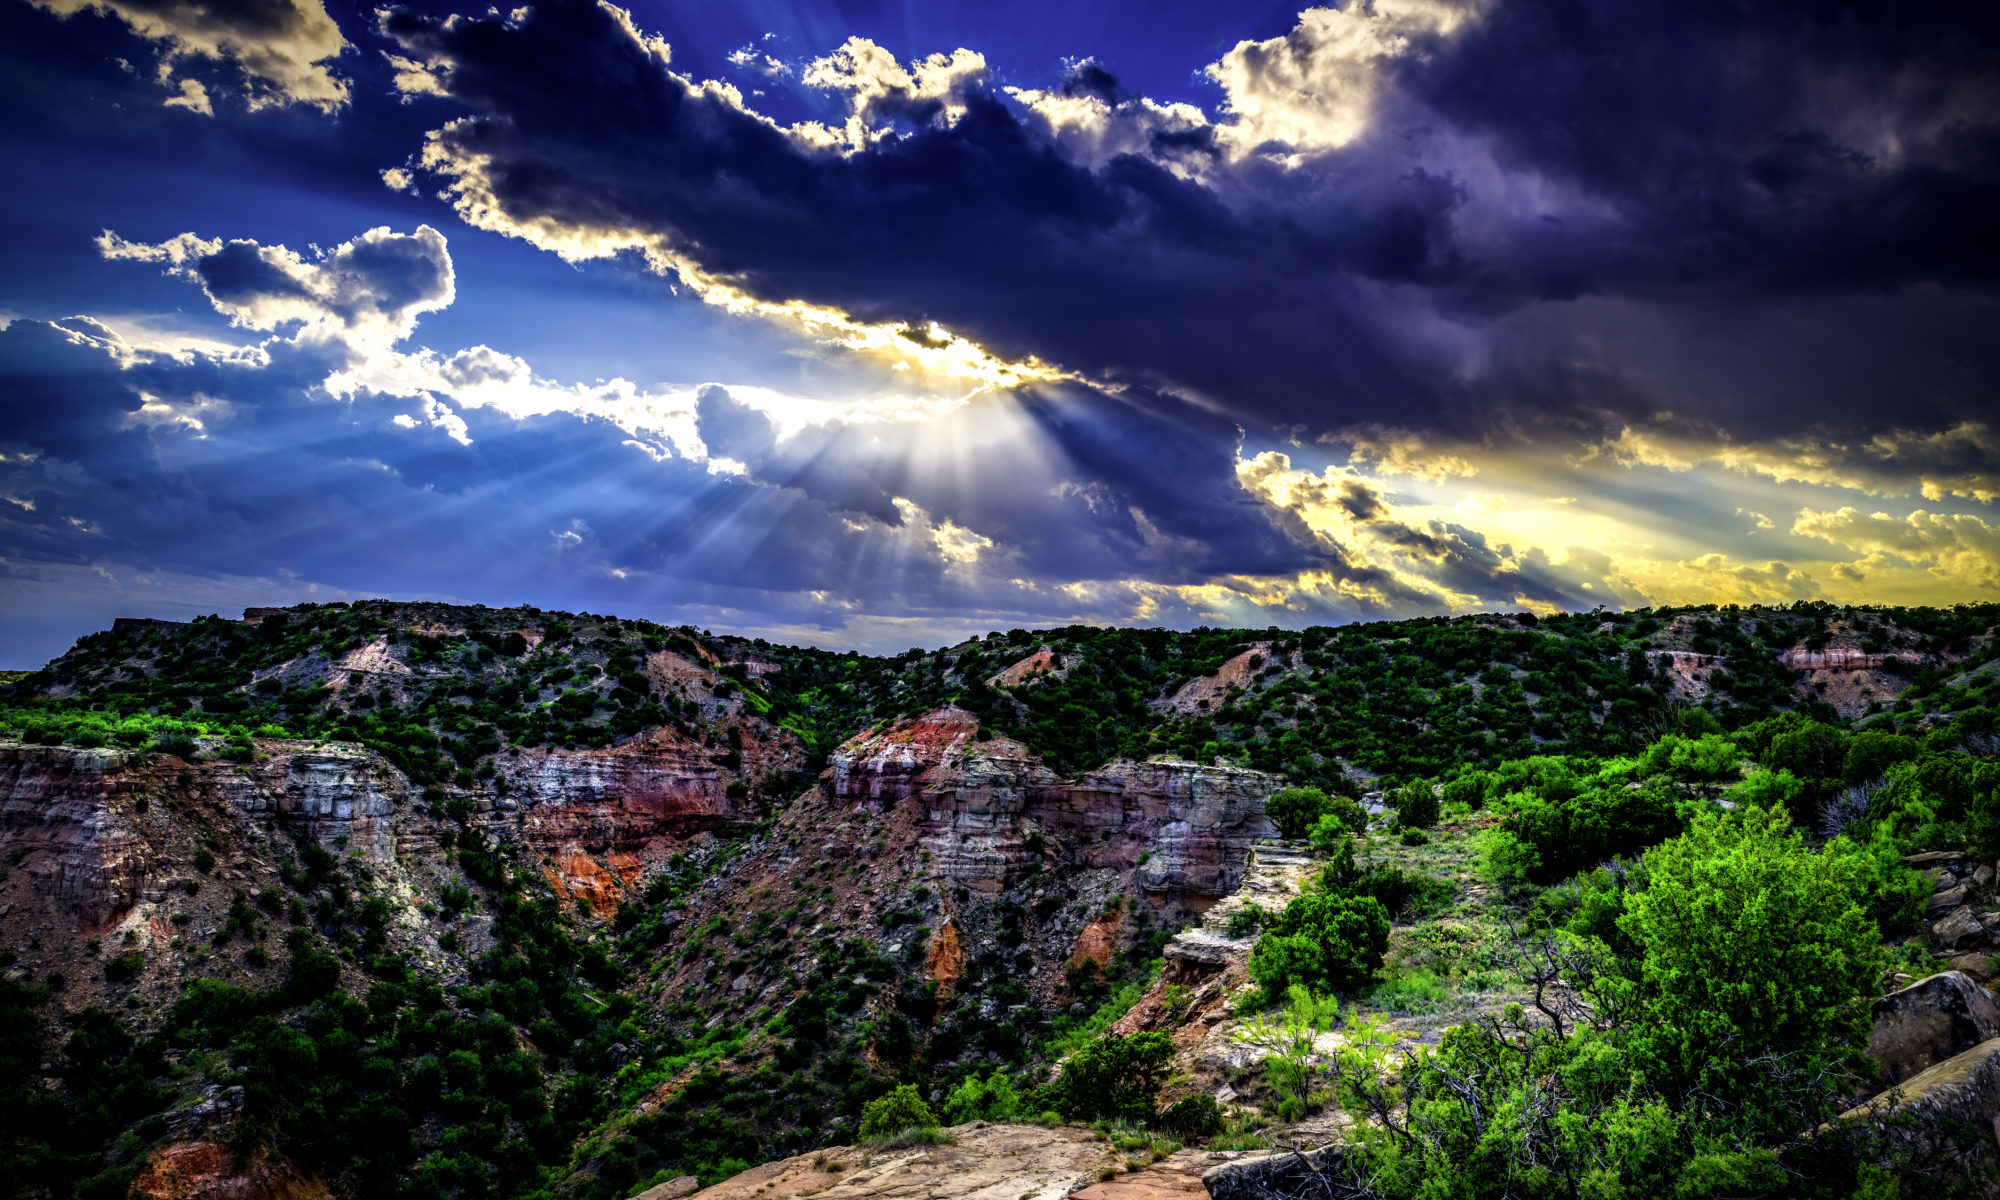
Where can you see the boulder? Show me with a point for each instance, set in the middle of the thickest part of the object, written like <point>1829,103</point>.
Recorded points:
<point>1943,1118</point>
<point>1979,966</point>
<point>1930,1021</point>
<point>1945,899</point>
<point>1958,931</point>
<point>1270,1176</point>
<point>672,1189</point>
<point>1934,858</point>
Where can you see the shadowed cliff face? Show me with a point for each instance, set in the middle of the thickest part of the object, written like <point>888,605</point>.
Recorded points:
<point>107,843</point>
<point>992,808</point>
<point>102,844</point>
<point>68,823</point>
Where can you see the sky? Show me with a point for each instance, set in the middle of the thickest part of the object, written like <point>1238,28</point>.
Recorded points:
<point>876,325</point>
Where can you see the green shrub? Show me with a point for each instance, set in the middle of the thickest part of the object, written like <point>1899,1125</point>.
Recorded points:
<point>1245,921</point>
<point>1401,893</point>
<point>1295,810</point>
<point>1812,752</point>
<point>1545,839</point>
<point>1344,816</point>
<point>1416,806</point>
<point>1323,942</point>
<point>1114,1078</point>
<point>1870,754</point>
<point>1193,1119</point>
<point>1710,758</point>
<point>993,1098</point>
<point>891,1114</point>
<point>1468,790</point>
<point>125,968</point>
<point>1405,893</point>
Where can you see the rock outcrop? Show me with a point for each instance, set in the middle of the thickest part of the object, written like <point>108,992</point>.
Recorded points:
<point>210,1170</point>
<point>1268,1176</point>
<point>102,841</point>
<point>1943,1117</point>
<point>1964,909</point>
<point>1930,1021</point>
<point>993,809</point>
<point>1177,1177</point>
<point>985,1162</point>
<point>67,823</point>
<point>601,818</point>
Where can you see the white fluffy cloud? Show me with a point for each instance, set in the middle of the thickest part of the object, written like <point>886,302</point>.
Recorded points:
<point>367,292</point>
<point>881,91</point>
<point>363,298</point>
<point>1963,460</point>
<point>285,48</point>
<point>1315,87</point>
<point>1958,548</point>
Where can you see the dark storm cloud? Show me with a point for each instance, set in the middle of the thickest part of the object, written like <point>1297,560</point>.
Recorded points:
<point>982,226</point>
<point>1693,159</point>
<point>1772,147</point>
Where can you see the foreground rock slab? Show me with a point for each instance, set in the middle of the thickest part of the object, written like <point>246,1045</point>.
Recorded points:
<point>1946,1114</point>
<point>1930,1021</point>
<point>1177,1177</point>
<point>1268,1176</point>
<point>989,1162</point>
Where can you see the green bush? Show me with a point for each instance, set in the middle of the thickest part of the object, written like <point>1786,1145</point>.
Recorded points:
<point>1812,752</point>
<point>1710,758</point>
<point>1545,839</point>
<point>1114,1078</point>
<point>125,968</point>
<point>1870,754</point>
<point>891,1114</point>
<point>1344,817</point>
<point>1401,893</point>
<point>1323,942</point>
<point>1751,940</point>
<point>1245,921</point>
<point>1468,790</point>
<point>1416,806</point>
<point>1193,1119</point>
<point>1295,810</point>
<point>993,1098</point>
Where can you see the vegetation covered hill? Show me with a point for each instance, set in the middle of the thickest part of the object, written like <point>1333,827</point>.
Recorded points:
<point>470,1033</point>
<point>1405,699</point>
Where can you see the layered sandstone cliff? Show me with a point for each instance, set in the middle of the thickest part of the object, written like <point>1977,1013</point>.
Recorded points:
<point>993,810</point>
<point>138,851</point>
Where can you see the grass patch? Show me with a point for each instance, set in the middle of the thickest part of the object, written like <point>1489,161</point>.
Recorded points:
<point>1411,991</point>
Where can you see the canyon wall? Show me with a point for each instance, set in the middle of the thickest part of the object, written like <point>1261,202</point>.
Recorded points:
<point>993,810</point>
<point>106,845</point>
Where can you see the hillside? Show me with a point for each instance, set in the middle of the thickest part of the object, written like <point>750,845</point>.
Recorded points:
<point>414,899</point>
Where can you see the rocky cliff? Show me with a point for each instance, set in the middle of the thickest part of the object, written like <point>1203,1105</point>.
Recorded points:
<point>136,851</point>
<point>992,810</point>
